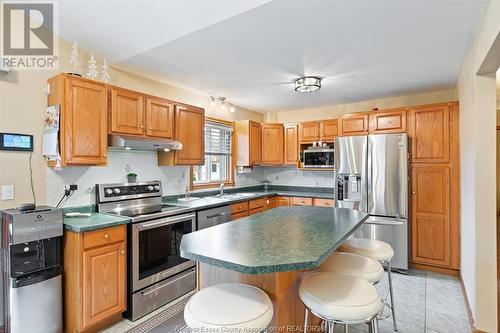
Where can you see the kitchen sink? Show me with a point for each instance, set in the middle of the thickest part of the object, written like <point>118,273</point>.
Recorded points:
<point>232,196</point>
<point>188,199</point>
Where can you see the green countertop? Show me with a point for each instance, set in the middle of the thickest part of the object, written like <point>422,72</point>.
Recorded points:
<point>93,222</point>
<point>278,240</point>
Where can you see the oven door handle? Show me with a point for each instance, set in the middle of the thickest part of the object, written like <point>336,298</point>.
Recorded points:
<point>164,222</point>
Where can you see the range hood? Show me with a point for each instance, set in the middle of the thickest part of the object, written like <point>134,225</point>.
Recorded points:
<point>131,142</point>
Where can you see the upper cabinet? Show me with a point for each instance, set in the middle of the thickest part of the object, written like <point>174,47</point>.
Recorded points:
<point>127,112</point>
<point>190,130</point>
<point>429,128</point>
<point>291,137</point>
<point>387,121</point>
<point>353,124</point>
<point>248,134</point>
<point>83,119</point>
<point>159,118</point>
<point>272,144</point>
<point>322,130</point>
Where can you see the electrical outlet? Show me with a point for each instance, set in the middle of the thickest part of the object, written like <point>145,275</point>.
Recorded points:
<point>7,192</point>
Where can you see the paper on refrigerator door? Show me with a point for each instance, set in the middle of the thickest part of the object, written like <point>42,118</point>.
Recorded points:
<point>50,146</point>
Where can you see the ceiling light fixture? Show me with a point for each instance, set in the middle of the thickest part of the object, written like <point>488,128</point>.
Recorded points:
<point>307,84</point>
<point>222,103</point>
<point>212,101</point>
<point>232,109</point>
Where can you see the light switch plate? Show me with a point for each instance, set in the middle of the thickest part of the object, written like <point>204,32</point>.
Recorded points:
<point>7,192</point>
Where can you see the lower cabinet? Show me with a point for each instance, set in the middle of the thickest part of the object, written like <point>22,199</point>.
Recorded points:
<point>94,278</point>
<point>302,201</point>
<point>283,201</point>
<point>323,202</point>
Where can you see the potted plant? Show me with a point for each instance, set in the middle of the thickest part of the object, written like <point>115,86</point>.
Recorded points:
<point>132,177</point>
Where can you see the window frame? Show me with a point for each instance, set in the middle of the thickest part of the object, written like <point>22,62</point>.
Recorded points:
<point>230,173</point>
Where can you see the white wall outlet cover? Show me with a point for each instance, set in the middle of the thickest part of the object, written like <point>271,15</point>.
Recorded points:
<point>7,192</point>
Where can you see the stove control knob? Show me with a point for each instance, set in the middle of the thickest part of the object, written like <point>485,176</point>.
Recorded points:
<point>117,190</point>
<point>157,187</point>
<point>109,191</point>
<point>150,188</point>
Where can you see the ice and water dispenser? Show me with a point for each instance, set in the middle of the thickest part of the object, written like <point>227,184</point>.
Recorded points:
<point>349,187</point>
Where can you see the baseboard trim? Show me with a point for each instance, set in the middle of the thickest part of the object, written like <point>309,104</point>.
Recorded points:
<point>435,269</point>
<point>467,305</point>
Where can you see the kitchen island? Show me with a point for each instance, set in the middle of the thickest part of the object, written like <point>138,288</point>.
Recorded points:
<point>272,250</point>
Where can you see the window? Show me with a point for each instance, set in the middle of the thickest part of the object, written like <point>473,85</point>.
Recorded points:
<point>218,164</point>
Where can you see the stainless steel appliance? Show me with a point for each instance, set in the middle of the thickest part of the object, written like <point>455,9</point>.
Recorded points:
<point>138,143</point>
<point>157,274</point>
<point>372,176</point>
<point>319,157</point>
<point>209,217</point>
<point>32,270</point>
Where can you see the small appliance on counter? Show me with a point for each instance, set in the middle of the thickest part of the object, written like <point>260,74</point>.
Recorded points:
<point>32,269</point>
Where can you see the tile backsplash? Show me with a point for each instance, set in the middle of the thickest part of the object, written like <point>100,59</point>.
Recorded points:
<point>174,179</point>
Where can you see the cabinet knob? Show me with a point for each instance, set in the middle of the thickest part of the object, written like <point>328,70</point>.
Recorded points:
<point>122,251</point>
<point>413,156</point>
<point>104,155</point>
<point>141,126</point>
<point>151,128</point>
<point>414,192</point>
<point>106,236</point>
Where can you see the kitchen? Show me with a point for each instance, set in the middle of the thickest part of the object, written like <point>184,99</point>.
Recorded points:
<point>166,188</point>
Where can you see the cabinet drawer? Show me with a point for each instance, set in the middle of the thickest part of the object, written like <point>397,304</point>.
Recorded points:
<point>239,215</point>
<point>257,203</point>
<point>103,236</point>
<point>301,201</point>
<point>323,202</point>
<point>255,210</point>
<point>239,207</point>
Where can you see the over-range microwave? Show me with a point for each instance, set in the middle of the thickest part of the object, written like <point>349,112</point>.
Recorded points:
<point>319,158</point>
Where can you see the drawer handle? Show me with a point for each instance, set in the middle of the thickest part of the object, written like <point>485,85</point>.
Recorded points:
<point>122,251</point>
<point>106,236</point>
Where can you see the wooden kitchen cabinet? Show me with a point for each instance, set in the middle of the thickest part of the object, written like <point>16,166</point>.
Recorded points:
<point>291,137</point>
<point>323,202</point>
<point>283,201</point>
<point>127,111</point>
<point>431,242</point>
<point>94,278</point>
<point>387,121</point>
<point>353,124</point>
<point>328,130</point>
<point>159,118</point>
<point>83,119</point>
<point>429,128</point>
<point>271,203</point>
<point>302,201</point>
<point>272,144</point>
<point>309,131</point>
<point>248,136</point>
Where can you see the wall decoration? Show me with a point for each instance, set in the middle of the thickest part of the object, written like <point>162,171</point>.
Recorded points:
<point>73,60</point>
<point>92,70</point>
<point>105,74</point>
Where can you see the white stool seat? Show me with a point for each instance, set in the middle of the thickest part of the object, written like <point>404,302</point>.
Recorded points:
<point>353,265</point>
<point>340,297</point>
<point>372,248</point>
<point>229,306</point>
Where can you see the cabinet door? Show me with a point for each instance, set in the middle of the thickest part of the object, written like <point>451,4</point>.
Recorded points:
<point>309,131</point>
<point>282,201</point>
<point>323,202</point>
<point>103,283</point>
<point>353,124</point>
<point>127,112</point>
<point>255,142</point>
<point>85,123</point>
<point>388,121</point>
<point>430,133</point>
<point>189,130</point>
<point>159,118</point>
<point>271,203</point>
<point>431,214</point>
<point>301,201</point>
<point>291,145</point>
<point>272,144</point>
<point>328,130</point>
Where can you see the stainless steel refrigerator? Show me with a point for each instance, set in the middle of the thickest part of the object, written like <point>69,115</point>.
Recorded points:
<point>372,176</point>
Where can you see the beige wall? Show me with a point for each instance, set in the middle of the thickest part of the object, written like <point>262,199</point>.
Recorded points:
<point>477,157</point>
<point>22,104</point>
<point>334,111</point>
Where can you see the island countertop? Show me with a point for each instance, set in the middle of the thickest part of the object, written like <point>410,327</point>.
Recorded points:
<point>279,240</point>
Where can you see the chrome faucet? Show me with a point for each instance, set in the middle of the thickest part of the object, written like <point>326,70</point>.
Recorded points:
<point>188,193</point>
<point>221,187</point>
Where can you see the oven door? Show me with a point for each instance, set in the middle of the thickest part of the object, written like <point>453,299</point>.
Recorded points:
<point>155,249</point>
<point>319,158</point>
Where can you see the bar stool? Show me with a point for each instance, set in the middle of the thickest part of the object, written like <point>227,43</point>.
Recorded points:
<point>354,265</point>
<point>380,251</point>
<point>229,307</point>
<point>340,299</point>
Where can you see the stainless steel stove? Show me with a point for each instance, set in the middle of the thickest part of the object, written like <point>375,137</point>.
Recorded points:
<point>157,274</point>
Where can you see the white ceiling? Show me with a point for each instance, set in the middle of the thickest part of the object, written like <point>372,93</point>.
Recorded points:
<point>252,51</point>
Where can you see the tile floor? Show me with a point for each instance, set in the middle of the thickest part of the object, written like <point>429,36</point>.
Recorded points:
<point>425,303</point>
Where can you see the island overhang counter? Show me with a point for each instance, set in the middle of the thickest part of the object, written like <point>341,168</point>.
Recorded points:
<point>272,250</point>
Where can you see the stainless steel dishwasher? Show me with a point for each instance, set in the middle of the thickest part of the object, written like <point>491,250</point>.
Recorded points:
<point>210,217</point>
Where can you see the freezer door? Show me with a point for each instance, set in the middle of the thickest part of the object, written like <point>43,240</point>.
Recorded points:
<point>388,175</point>
<point>351,170</point>
<point>389,230</point>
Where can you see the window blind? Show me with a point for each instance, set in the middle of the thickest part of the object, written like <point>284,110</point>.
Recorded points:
<point>217,139</point>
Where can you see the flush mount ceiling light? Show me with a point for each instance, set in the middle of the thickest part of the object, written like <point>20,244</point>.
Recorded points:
<point>212,101</point>
<point>222,103</point>
<point>307,84</point>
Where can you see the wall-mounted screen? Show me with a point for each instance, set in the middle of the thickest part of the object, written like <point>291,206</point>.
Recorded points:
<point>16,141</point>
